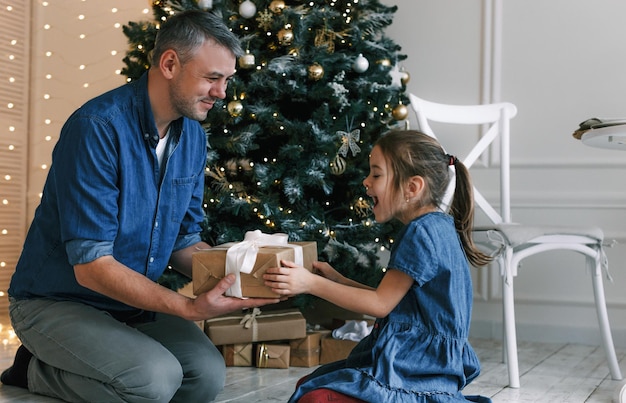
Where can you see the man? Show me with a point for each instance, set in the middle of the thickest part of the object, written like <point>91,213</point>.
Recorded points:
<point>123,198</point>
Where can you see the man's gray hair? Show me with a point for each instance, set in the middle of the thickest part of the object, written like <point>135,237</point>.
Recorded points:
<point>186,31</point>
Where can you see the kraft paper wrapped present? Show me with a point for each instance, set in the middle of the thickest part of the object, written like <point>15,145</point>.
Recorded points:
<point>256,326</point>
<point>237,355</point>
<point>338,344</point>
<point>272,355</point>
<point>305,352</point>
<point>332,350</point>
<point>248,261</point>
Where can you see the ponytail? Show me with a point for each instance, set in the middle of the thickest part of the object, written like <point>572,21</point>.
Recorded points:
<point>462,209</point>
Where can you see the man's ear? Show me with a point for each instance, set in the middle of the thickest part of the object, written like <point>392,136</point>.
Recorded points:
<point>168,63</point>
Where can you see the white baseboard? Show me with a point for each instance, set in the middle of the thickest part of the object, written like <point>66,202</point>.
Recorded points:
<point>548,333</point>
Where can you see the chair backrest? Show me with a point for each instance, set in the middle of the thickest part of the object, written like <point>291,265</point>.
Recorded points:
<point>493,121</point>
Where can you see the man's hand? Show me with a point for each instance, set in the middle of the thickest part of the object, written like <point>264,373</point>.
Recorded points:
<point>214,303</point>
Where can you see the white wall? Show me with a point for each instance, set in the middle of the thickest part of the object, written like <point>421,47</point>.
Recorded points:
<point>563,61</point>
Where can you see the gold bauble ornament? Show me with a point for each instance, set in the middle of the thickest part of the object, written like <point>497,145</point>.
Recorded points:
<point>384,62</point>
<point>316,71</point>
<point>294,52</point>
<point>285,37</point>
<point>338,165</point>
<point>405,77</point>
<point>400,112</point>
<point>277,6</point>
<point>234,108</point>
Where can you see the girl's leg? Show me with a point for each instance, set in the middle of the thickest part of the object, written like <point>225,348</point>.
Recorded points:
<point>325,395</point>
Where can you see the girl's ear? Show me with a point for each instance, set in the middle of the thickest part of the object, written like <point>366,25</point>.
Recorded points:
<point>415,187</point>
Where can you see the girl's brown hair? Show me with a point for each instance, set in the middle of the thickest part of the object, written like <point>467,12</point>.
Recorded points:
<point>409,153</point>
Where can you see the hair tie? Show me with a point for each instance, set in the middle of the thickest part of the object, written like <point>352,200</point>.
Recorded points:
<point>452,160</point>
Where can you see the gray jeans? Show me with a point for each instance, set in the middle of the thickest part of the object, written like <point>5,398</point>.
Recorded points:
<point>82,354</point>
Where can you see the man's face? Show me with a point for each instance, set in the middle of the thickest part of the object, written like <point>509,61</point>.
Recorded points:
<point>202,80</point>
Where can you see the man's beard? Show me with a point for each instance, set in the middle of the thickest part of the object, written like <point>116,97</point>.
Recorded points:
<point>185,105</point>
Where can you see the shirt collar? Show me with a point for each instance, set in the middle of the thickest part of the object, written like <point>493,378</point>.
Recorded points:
<point>146,118</point>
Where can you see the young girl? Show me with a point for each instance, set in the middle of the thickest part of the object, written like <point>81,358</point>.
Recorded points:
<point>418,350</point>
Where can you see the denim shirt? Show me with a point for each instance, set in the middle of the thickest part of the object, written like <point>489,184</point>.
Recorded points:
<point>106,195</point>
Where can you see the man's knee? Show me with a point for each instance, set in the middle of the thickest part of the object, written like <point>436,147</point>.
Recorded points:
<point>158,379</point>
<point>204,376</point>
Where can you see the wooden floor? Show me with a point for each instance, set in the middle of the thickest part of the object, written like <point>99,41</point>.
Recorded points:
<point>549,373</point>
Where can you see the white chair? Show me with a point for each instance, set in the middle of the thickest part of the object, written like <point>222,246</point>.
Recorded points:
<point>512,242</point>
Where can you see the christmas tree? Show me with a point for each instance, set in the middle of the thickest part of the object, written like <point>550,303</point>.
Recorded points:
<point>288,148</point>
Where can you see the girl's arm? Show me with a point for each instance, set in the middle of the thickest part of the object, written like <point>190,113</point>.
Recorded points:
<point>377,302</point>
<point>330,273</point>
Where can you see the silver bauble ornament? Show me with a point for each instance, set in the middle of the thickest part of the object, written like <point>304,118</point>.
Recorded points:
<point>205,4</point>
<point>247,61</point>
<point>247,9</point>
<point>361,64</point>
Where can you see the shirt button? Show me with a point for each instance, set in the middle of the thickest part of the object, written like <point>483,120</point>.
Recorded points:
<point>151,259</point>
<point>156,224</point>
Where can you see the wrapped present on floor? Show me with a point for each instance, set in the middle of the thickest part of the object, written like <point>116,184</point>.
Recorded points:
<point>305,352</point>
<point>256,326</point>
<point>338,344</point>
<point>272,355</point>
<point>237,355</point>
<point>248,260</point>
<point>332,350</point>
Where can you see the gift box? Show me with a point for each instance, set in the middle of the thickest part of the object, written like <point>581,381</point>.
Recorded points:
<point>272,355</point>
<point>332,350</point>
<point>210,266</point>
<point>256,326</point>
<point>237,355</point>
<point>305,352</point>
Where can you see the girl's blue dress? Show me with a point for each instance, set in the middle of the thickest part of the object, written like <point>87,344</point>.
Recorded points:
<point>420,352</point>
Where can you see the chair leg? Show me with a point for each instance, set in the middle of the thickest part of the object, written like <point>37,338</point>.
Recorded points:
<point>510,345</point>
<point>619,396</point>
<point>603,318</point>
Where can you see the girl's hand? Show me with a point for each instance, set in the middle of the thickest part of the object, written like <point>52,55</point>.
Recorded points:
<point>290,279</point>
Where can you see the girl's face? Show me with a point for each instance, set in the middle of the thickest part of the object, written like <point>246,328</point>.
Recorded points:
<point>379,186</point>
